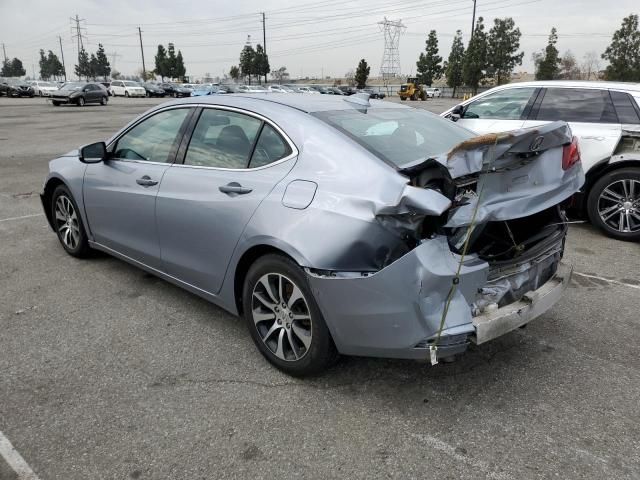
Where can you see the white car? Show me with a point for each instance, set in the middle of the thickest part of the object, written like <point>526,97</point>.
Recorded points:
<point>433,92</point>
<point>307,90</point>
<point>127,88</point>
<point>605,118</point>
<point>280,89</point>
<point>43,89</point>
<point>252,89</point>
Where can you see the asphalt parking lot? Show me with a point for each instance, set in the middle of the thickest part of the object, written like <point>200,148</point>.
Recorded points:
<point>107,372</point>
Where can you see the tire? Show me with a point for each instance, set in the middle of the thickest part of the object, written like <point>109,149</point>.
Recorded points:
<point>414,97</point>
<point>80,102</point>
<point>147,94</point>
<point>40,94</point>
<point>608,212</point>
<point>175,94</point>
<point>67,223</point>
<point>299,347</point>
<point>403,99</point>
<point>104,100</point>
<point>55,104</point>
<point>126,93</point>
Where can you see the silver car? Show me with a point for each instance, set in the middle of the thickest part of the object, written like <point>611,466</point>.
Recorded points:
<point>331,224</point>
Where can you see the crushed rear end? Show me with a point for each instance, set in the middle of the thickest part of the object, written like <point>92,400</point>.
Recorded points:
<point>485,235</point>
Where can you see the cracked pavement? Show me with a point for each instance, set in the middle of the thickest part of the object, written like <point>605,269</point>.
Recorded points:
<point>108,372</point>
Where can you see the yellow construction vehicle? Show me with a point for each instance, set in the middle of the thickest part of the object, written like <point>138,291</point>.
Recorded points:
<point>412,90</point>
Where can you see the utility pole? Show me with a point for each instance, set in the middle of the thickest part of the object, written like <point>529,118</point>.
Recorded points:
<point>144,70</point>
<point>264,41</point>
<point>62,53</point>
<point>473,19</point>
<point>78,35</point>
<point>5,53</point>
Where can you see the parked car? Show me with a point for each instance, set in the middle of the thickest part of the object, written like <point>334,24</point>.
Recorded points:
<point>204,89</point>
<point>257,212</point>
<point>334,91</point>
<point>175,90</point>
<point>107,86</point>
<point>153,90</point>
<point>604,116</point>
<point>14,87</point>
<point>347,90</point>
<point>127,88</point>
<point>376,94</point>
<point>251,89</point>
<point>280,89</point>
<point>319,89</point>
<point>80,93</point>
<point>42,88</point>
<point>433,92</point>
<point>304,89</point>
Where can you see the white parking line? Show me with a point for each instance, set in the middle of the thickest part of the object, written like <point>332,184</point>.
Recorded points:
<point>15,460</point>
<point>20,218</point>
<point>608,280</point>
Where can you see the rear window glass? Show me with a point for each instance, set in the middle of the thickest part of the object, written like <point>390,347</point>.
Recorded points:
<point>398,136</point>
<point>577,105</point>
<point>626,108</point>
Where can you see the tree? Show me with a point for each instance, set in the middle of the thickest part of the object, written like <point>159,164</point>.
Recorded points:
<point>234,73</point>
<point>475,60</point>
<point>590,66</point>
<point>161,62</point>
<point>180,69</point>
<point>171,63</point>
<point>624,52</point>
<point>12,68</point>
<point>83,68</point>
<point>103,67</point>
<point>350,77</point>
<point>93,67</point>
<point>362,74</point>
<point>281,74</point>
<point>429,66</point>
<point>569,67</point>
<point>547,63</point>
<point>502,44</point>
<point>260,63</point>
<point>453,67</point>
<point>247,56</point>
<point>115,74</point>
<point>44,66</point>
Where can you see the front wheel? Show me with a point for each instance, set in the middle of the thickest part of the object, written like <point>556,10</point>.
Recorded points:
<point>403,99</point>
<point>103,101</point>
<point>81,102</point>
<point>613,204</point>
<point>55,104</point>
<point>126,94</point>
<point>283,318</point>
<point>67,223</point>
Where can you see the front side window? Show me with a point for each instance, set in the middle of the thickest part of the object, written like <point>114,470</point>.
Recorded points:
<point>152,139</point>
<point>577,105</point>
<point>506,104</point>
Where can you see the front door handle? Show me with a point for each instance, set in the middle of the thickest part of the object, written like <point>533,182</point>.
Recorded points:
<point>146,181</point>
<point>234,187</point>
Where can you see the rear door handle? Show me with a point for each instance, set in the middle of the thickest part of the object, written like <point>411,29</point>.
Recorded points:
<point>234,187</point>
<point>146,181</point>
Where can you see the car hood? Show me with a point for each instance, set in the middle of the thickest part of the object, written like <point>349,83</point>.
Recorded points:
<point>65,93</point>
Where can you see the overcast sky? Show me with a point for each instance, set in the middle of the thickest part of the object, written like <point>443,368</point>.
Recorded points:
<point>308,37</point>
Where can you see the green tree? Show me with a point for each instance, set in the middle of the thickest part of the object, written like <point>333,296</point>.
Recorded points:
<point>429,66</point>
<point>161,62</point>
<point>12,68</point>
<point>362,73</point>
<point>54,65</point>
<point>181,71</point>
<point>234,73</point>
<point>44,66</point>
<point>502,47</point>
<point>261,63</point>
<point>547,63</point>
<point>246,62</point>
<point>93,67</point>
<point>102,62</point>
<point>83,68</point>
<point>623,53</point>
<point>172,66</point>
<point>475,60</point>
<point>453,70</point>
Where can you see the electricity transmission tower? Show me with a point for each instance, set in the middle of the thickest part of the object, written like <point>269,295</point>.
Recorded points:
<point>78,32</point>
<point>392,29</point>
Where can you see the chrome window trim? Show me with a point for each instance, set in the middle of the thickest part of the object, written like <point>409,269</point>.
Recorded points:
<point>294,150</point>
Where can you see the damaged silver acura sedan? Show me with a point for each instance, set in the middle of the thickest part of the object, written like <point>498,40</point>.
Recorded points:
<point>332,225</point>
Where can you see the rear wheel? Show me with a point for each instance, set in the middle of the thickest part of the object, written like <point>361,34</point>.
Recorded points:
<point>68,224</point>
<point>283,318</point>
<point>613,204</point>
<point>55,104</point>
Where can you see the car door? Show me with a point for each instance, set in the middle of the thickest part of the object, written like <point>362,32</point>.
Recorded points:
<point>93,94</point>
<point>120,193</point>
<point>591,115</point>
<point>233,160</point>
<point>499,111</point>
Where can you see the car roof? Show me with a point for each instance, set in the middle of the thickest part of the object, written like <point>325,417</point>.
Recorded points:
<point>305,103</point>
<point>635,87</point>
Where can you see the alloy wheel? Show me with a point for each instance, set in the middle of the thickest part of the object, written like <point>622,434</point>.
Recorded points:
<point>282,316</point>
<point>619,205</point>
<point>67,222</point>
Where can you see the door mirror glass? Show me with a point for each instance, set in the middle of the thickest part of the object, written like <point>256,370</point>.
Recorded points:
<point>93,153</point>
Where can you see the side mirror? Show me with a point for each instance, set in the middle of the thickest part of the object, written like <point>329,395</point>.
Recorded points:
<point>456,113</point>
<point>93,153</point>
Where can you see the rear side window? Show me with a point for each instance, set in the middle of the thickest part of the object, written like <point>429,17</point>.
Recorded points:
<point>577,105</point>
<point>271,147</point>
<point>626,108</point>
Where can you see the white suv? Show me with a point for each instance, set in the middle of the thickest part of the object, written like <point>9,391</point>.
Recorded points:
<point>127,88</point>
<point>604,116</point>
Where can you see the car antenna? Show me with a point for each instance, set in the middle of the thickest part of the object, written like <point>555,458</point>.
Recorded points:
<point>360,99</point>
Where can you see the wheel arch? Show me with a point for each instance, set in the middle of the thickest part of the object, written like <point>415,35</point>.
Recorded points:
<point>47,193</point>
<point>597,171</point>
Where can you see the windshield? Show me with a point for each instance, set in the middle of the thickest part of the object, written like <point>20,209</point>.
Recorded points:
<point>131,84</point>
<point>72,86</point>
<point>399,136</point>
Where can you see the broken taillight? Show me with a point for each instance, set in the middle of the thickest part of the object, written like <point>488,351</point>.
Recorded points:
<point>570,154</point>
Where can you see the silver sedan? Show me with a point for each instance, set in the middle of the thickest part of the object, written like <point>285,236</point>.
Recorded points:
<point>333,225</point>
